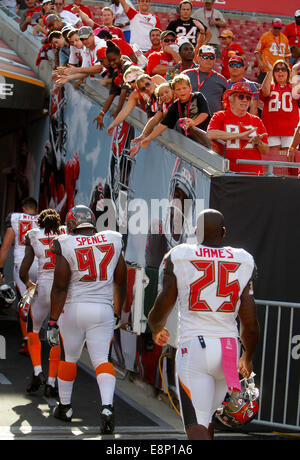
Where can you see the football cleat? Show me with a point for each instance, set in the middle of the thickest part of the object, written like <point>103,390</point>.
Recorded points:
<point>50,391</point>
<point>107,424</point>
<point>36,382</point>
<point>63,412</point>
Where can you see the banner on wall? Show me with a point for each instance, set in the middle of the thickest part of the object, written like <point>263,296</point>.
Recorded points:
<point>156,197</point>
<point>253,6</point>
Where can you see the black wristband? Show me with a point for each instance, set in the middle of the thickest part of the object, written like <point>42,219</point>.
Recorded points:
<point>1,270</point>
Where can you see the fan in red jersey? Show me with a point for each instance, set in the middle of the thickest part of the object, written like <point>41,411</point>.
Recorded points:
<point>245,134</point>
<point>280,113</point>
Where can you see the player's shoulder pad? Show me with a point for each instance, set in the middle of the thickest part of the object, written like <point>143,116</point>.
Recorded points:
<point>33,233</point>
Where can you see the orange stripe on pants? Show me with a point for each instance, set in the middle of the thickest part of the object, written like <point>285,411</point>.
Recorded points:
<point>67,371</point>
<point>54,357</point>
<point>185,388</point>
<point>105,368</point>
<point>34,347</point>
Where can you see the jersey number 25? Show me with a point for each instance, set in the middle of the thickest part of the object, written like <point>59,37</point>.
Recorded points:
<point>224,288</point>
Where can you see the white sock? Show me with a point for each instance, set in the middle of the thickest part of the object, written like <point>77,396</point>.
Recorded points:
<point>106,383</point>
<point>65,389</point>
<point>37,370</point>
<point>51,381</point>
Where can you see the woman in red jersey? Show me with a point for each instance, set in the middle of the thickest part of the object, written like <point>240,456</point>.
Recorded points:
<point>280,113</point>
<point>245,134</point>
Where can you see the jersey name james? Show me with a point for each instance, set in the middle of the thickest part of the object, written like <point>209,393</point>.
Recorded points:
<point>92,260</point>
<point>210,282</point>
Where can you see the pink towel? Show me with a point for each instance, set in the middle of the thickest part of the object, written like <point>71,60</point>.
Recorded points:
<point>229,359</point>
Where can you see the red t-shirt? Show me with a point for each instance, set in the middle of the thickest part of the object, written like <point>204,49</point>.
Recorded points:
<point>116,32</point>
<point>227,121</point>
<point>125,48</point>
<point>226,55</point>
<point>147,54</point>
<point>280,113</point>
<point>157,58</point>
<point>292,31</point>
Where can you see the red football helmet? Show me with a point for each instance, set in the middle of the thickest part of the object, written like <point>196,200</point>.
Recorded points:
<point>241,407</point>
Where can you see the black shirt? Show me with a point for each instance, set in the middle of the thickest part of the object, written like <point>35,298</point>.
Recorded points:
<point>190,109</point>
<point>185,29</point>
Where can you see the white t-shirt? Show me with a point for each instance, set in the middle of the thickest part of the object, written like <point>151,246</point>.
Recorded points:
<point>140,26</point>
<point>69,17</point>
<point>205,16</point>
<point>75,57</point>
<point>89,57</point>
<point>92,260</point>
<point>210,282</point>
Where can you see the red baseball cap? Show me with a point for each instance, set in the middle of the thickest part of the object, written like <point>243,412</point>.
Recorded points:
<point>277,22</point>
<point>237,59</point>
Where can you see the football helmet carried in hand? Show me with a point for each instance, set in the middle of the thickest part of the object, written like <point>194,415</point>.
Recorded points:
<point>24,303</point>
<point>7,294</point>
<point>241,407</point>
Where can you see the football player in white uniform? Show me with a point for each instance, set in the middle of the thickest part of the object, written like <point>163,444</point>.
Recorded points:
<point>17,225</point>
<point>38,244</point>
<point>89,285</point>
<point>213,285</point>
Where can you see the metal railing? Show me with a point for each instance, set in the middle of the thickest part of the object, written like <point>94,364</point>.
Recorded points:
<point>278,376</point>
<point>270,164</point>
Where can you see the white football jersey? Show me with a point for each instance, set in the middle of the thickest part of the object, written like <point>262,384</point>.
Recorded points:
<point>210,282</point>
<point>42,245</point>
<point>92,260</point>
<point>20,223</point>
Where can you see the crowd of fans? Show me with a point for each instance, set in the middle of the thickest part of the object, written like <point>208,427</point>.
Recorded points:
<point>171,74</point>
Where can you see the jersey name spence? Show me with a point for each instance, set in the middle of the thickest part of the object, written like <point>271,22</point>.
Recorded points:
<point>92,260</point>
<point>210,282</point>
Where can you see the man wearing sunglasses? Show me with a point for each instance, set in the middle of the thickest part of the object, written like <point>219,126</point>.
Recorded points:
<point>236,67</point>
<point>160,61</point>
<point>245,134</point>
<point>273,45</point>
<point>206,80</point>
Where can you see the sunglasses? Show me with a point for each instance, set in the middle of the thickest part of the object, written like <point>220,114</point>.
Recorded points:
<point>235,64</point>
<point>280,69</point>
<point>277,28</point>
<point>241,97</point>
<point>169,40</point>
<point>147,85</point>
<point>205,56</point>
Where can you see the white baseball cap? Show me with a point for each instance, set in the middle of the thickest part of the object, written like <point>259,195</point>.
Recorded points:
<point>297,13</point>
